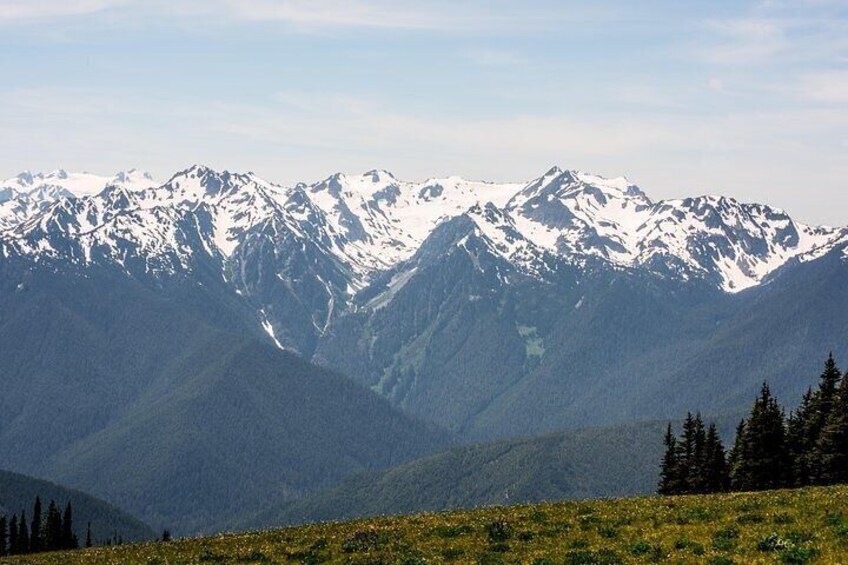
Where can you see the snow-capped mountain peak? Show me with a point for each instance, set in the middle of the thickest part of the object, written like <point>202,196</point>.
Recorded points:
<point>371,222</point>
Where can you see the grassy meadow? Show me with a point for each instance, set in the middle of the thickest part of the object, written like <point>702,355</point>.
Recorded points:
<point>787,526</point>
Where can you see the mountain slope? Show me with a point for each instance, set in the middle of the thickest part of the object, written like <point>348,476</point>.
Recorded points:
<point>171,402</point>
<point>605,462</point>
<point>17,492</point>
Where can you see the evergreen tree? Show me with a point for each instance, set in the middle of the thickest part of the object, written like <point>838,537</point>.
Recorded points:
<point>698,466</point>
<point>23,534</point>
<point>13,535</point>
<point>68,538</point>
<point>734,455</point>
<point>800,439</point>
<point>761,454</point>
<point>831,450</point>
<point>53,528</point>
<point>88,535</point>
<point>669,468</point>
<point>36,534</point>
<point>686,454</point>
<point>4,547</point>
<point>716,473</point>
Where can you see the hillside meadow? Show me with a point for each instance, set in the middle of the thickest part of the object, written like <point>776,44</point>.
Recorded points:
<point>787,526</point>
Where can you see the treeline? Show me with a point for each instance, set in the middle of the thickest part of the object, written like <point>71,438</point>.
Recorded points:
<point>771,450</point>
<point>46,532</point>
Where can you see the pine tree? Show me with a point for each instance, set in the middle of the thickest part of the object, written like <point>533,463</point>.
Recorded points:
<point>53,528</point>
<point>669,468</point>
<point>686,454</point>
<point>831,450</point>
<point>761,454</point>
<point>23,534</point>
<point>801,440</point>
<point>697,476</point>
<point>4,547</point>
<point>36,534</point>
<point>734,455</point>
<point>88,535</point>
<point>68,541</point>
<point>823,402</point>
<point>13,535</point>
<point>717,475</point>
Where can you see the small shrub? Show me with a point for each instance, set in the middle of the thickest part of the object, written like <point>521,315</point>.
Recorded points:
<point>319,544</point>
<point>578,544</point>
<point>751,518</point>
<point>538,517</point>
<point>452,553</point>
<point>527,535</point>
<point>773,542</point>
<point>683,544</point>
<point>500,547</point>
<point>725,540</point>
<point>642,548</point>
<point>721,560</point>
<point>608,532</point>
<point>833,519</point>
<point>798,555</point>
<point>783,518</point>
<point>449,532</point>
<point>499,531</point>
<point>363,541</point>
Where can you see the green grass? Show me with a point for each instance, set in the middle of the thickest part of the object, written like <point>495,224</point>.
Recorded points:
<point>788,526</point>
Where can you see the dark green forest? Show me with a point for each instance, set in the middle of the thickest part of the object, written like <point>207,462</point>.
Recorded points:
<point>770,450</point>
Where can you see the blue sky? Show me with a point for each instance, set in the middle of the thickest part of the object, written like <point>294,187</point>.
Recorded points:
<point>748,99</point>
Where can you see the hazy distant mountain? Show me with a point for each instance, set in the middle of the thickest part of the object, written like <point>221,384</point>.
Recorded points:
<point>18,492</point>
<point>142,322</point>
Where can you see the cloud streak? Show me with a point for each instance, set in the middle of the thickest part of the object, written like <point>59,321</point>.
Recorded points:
<point>29,10</point>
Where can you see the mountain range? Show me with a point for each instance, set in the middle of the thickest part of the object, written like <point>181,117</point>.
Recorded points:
<point>216,324</point>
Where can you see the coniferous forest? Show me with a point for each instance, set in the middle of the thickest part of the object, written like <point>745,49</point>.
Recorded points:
<point>49,530</point>
<point>771,450</point>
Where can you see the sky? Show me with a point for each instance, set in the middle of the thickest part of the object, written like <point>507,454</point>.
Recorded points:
<point>746,99</point>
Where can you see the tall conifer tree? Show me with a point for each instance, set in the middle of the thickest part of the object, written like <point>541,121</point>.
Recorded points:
<point>4,539</point>
<point>761,455</point>
<point>68,538</point>
<point>717,475</point>
<point>53,528</point>
<point>13,535</point>
<point>36,534</point>
<point>831,450</point>
<point>23,534</point>
<point>669,468</point>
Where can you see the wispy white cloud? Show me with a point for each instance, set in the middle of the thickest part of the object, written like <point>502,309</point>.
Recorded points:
<point>745,41</point>
<point>24,10</point>
<point>433,15</point>
<point>828,86</point>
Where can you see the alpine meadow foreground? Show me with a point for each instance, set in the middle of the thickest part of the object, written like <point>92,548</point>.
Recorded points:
<point>787,526</point>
